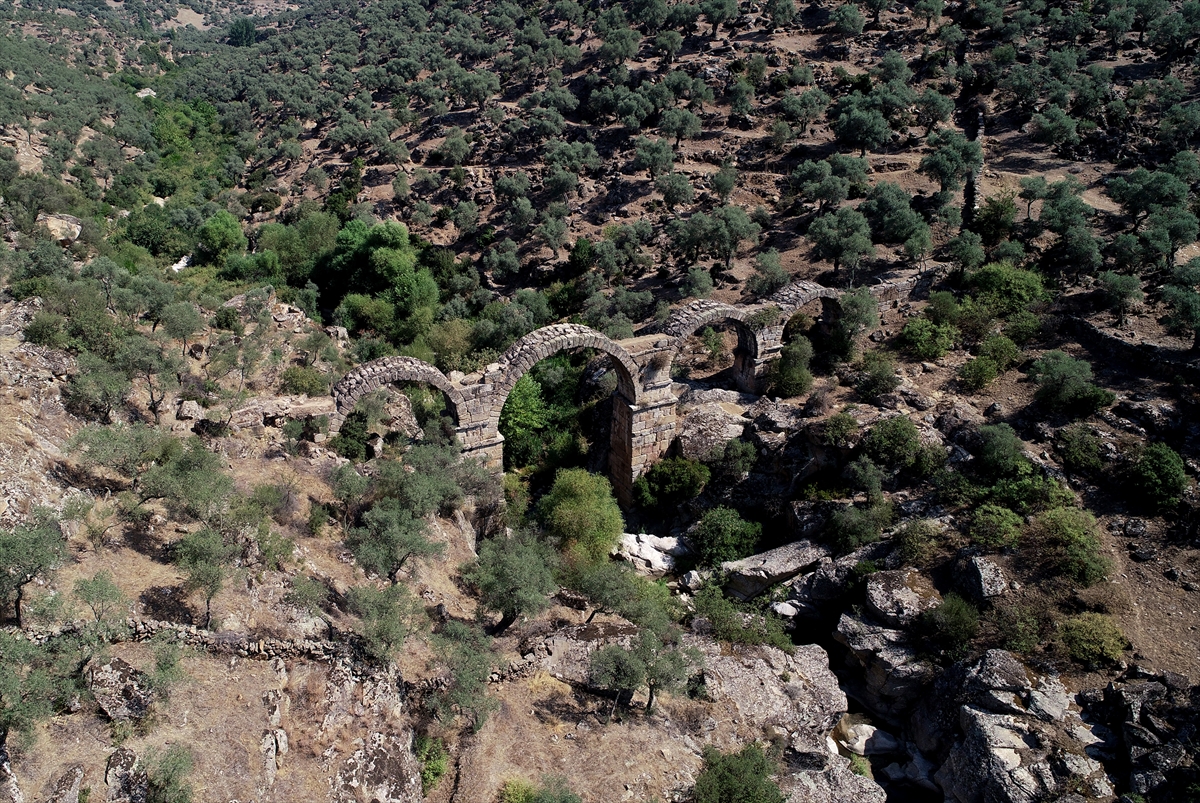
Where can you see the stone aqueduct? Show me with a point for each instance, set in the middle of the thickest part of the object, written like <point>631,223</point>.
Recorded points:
<point>644,418</point>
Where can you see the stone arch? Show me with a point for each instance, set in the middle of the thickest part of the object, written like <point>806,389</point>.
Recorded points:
<point>797,294</point>
<point>684,322</point>
<point>382,372</point>
<point>548,341</point>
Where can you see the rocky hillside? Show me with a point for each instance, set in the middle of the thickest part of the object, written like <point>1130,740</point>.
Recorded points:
<point>929,536</point>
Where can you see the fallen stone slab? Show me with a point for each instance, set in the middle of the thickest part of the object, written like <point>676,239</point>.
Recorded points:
<point>749,577</point>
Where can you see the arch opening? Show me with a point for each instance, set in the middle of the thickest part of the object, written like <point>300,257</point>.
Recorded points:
<point>536,346</point>
<point>530,364</point>
<point>558,416</point>
<point>382,373</point>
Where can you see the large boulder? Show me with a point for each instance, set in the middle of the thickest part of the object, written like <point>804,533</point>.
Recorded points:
<point>893,676</point>
<point>65,229</point>
<point>980,579</point>
<point>797,694</point>
<point>651,554</point>
<point>1006,735</point>
<point>899,597</point>
<point>121,691</point>
<point>382,769</point>
<point>125,778</point>
<point>749,577</point>
<point>68,786</point>
<point>960,425</point>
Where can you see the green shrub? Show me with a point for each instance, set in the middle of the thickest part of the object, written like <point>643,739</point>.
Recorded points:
<point>893,442</point>
<point>741,777</point>
<point>1001,452</point>
<point>927,340</point>
<point>942,308</point>
<point>839,430</point>
<point>1093,639</point>
<point>1019,628</point>
<point>1023,327</point>
<point>976,319</point>
<point>1065,383</point>
<point>860,766</point>
<point>670,481</point>
<point>995,527</point>
<point>227,318</point>
<point>166,776</point>
<point>1001,350</point>
<point>1071,539</point>
<point>790,375</point>
<point>303,380</point>
<point>389,616</point>
<point>1029,491</point>
<point>849,529</point>
<point>734,459</point>
<point>878,375</point>
<point>927,461</point>
<point>1007,289</point>
<point>1079,448</point>
<point>517,790</point>
<point>917,541</point>
<point>952,625</point>
<point>552,790</point>
<point>351,440</point>
<point>723,535</point>
<point>739,624</point>
<point>434,760</point>
<point>1159,476</point>
<point>46,329</point>
<point>581,512</point>
<point>978,373</point>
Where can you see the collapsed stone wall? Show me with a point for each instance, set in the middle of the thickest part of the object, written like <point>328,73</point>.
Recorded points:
<point>241,644</point>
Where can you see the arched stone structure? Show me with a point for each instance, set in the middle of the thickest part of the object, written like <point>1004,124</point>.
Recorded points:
<point>384,371</point>
<point>686,321</point>
<point>479,429</point>
<point>644,421</point>
<point>548,341</point>
<point>797,294</point>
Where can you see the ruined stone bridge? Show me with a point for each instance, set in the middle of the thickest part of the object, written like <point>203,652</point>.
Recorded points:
<point>644,419</point>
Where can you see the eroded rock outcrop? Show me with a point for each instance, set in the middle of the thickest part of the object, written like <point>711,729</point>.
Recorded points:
<point>893,675</point>
<point>1145,723</point>
<point>121,691</point>
<point>1006,735</point>
<point>799,695</point>
<point>382,769</point>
